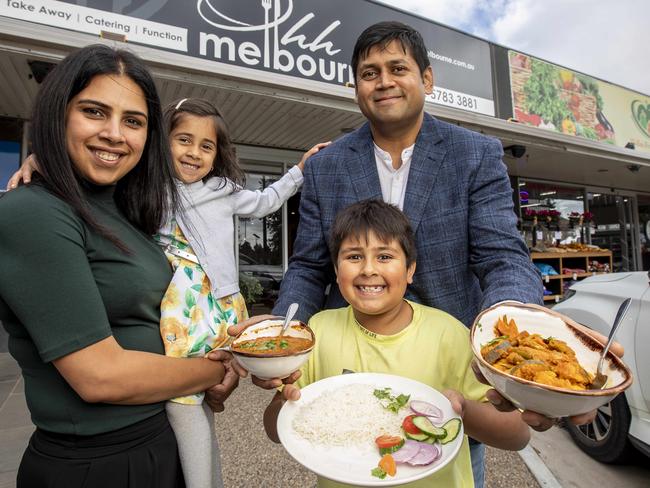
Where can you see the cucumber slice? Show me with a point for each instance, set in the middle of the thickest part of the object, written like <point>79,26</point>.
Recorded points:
<point>416,437</point>
<point>452,428</point>
<point>425,425</point>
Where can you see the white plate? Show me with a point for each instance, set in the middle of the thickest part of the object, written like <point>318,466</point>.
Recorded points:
<point>352,465</point>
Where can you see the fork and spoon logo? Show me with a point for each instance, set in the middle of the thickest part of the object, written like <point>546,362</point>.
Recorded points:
<point>274,16</point>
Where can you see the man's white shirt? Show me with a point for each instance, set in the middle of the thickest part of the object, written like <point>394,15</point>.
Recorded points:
<point>393,181</point>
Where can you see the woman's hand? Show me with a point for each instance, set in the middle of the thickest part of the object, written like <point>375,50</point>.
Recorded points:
<point>217,395</point>
<point>311,152</point>
<point>24,173</point>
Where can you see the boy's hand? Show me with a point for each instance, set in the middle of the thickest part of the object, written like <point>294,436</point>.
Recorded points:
<point>291,393</point>
<point>457,401</point>
<point>310,153</point>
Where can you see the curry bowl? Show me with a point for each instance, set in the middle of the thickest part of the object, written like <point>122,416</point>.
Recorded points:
<point>550,397</point>
<point>261,351</point>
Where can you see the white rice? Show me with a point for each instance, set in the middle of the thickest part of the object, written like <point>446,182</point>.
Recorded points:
<point>348,416</point>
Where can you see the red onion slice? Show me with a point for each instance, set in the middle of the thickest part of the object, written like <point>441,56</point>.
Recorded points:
<point>407,451</point>
<point>427,454</point>
<point>426,409</point>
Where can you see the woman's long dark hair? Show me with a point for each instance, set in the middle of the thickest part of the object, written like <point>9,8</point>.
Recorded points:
<point>225,163</point>
<point>145,195</point>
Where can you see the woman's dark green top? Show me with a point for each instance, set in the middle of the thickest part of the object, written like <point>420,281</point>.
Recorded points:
<point>63,287</point>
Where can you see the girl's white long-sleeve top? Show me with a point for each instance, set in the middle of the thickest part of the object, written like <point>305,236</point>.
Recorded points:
<point>207,221</point>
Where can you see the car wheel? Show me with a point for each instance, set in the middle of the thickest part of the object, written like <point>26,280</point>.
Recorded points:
<point>605,439</point>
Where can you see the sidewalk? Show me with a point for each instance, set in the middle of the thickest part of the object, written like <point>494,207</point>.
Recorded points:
<point>272,467</point>
<point>15,423</point>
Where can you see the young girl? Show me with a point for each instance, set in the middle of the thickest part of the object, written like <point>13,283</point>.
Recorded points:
<point>203,298</point>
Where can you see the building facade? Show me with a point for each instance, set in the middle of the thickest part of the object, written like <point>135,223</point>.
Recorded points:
<point>577,148</point>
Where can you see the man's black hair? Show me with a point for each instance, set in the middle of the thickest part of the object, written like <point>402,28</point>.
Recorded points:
<point>382,34</point>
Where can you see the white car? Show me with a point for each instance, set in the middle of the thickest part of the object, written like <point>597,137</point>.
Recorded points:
<point>624,423</point>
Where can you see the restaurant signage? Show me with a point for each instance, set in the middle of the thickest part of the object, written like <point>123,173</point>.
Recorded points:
<point>308,39</point>
<point>555,98</point>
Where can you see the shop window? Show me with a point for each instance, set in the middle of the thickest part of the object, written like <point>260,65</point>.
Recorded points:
<point>613,230</point>
<point>10,136</point>
<point>552,215</point>
<point>260,253</point>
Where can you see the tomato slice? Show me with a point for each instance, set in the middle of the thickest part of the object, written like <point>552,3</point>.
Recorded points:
<point>409,426</point>
<point>387,441</point>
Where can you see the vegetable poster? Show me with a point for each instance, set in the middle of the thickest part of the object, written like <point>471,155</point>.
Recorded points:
<point>555,98</point>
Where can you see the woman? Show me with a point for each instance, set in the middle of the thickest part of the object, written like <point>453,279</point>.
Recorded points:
<point>82,281</point>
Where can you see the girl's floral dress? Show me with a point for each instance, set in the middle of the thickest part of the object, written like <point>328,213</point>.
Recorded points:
<point>192,321</point>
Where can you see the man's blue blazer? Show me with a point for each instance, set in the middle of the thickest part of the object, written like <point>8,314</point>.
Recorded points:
<point>460,204</point>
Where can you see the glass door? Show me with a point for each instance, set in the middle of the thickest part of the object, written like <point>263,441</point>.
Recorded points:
<point>615,227</point>
<point>643,202</point>
<point>260,244</point>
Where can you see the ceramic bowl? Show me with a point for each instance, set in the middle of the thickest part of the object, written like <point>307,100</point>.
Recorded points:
<point>548,400</point>
<point>279,365</point>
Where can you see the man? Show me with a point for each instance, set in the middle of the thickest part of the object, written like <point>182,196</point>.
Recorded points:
<point>449,181</point>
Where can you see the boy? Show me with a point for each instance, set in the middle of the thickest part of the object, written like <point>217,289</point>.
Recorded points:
<point>373,250</point>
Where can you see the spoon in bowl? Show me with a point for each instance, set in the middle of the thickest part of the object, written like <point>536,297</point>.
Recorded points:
<point>291,311</point>
<point>600,379</point>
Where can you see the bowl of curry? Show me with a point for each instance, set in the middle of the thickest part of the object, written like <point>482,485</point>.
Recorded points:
<point>264,353</point>
<point>542,361</point>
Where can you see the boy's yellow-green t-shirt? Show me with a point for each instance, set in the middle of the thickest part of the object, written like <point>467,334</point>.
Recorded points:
<point>434,349</point>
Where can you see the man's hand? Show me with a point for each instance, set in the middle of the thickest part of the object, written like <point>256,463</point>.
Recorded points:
<point>536,421</point>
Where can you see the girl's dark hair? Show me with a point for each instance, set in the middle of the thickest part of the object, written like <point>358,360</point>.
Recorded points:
<point>225,163</point>
<point>382,34</point>
<point>386,221</point>
<point>146,195</point>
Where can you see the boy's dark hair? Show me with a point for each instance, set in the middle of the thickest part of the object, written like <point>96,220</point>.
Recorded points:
<point>225,163</point>
<point>382,34</point>
<point>145,195</point>
<point>386,221</point>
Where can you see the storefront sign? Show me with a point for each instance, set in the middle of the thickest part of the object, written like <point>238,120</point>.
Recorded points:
<point>310,39</point>
<point>93,21</point>
<point>555,98</point>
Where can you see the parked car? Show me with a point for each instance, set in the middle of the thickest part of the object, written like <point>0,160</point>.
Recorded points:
<point>269,276</point>
<point>624,423</point>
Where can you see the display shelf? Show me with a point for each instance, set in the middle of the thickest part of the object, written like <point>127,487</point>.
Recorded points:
<point>581,260</point>
<point>552,298</point>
